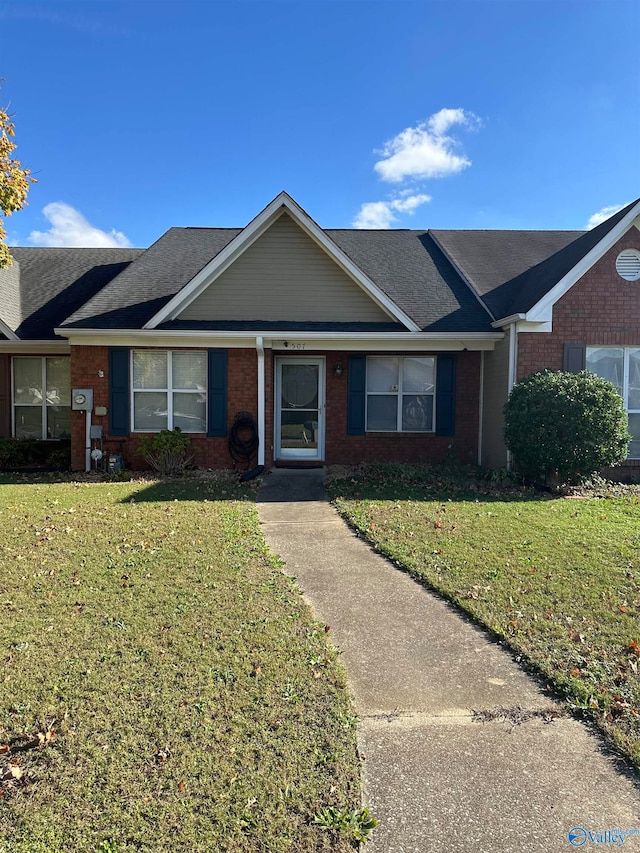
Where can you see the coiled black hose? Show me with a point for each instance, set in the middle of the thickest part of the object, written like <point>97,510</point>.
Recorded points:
<point>243,439</point>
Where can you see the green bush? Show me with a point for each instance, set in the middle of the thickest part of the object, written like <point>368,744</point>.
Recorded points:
<point>564,426</point>
<point>168,451</point>
<point>34,453</point>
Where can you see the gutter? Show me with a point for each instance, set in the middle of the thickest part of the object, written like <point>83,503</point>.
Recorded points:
<point>507,321</point>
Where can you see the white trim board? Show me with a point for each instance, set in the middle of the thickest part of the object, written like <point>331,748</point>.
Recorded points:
<point>542,311</point>
<point>7,332</point>
<point>354,341</point>
<point>36,347</point>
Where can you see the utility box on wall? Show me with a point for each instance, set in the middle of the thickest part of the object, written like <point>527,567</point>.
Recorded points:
<point>82,399</point>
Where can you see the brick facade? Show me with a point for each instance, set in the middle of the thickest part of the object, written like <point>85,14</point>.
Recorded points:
<point>88,361</point>
<point>601,309</point>
<point>343,449</point>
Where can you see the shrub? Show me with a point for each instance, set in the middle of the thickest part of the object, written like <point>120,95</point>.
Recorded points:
<point>563,426</point>
<point>34,453</point>
<point>168,451</point>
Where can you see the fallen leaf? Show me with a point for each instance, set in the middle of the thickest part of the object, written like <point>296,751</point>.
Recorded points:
<point>45,738</point>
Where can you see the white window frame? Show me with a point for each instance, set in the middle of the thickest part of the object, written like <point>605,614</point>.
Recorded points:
<point>400,393</point>
<point>626,350</point>
<point>44,405</point>
<point>169,391</point>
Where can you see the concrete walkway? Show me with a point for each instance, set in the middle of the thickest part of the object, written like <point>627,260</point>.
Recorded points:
<point>436,779</point>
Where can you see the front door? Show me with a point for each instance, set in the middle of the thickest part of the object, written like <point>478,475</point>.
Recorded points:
<point>299,408</point>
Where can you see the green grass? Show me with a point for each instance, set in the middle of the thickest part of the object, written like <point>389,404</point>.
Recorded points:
<point>186,699</point>
<point>557,578</point>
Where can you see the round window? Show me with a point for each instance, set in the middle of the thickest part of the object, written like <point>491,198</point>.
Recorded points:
<point>628,264</point>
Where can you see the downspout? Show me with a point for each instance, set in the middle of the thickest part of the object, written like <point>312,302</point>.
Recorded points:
<point>513,366</point>
<point>87,442</point>
<point>513,355</point>
<point>261,399</point>
<point>481,408</point>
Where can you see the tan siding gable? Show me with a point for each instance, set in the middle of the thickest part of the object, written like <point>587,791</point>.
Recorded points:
<point>285,275</point>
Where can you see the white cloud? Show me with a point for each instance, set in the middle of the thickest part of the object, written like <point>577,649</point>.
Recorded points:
<point>70,228</point>
<point>603,214</point>
<point>381,214</point>
<point>426,151</point>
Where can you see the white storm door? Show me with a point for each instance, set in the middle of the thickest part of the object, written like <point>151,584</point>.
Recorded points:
<point>299,408</point>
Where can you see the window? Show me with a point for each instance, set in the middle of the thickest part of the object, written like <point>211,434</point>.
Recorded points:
<point>400,394</point>
<point>41,397</point>
<point>621,366</point>
<point>169,390</point>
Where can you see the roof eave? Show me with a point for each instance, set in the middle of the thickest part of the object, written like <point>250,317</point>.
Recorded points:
<point>541,312</point>
<point>8,332</point>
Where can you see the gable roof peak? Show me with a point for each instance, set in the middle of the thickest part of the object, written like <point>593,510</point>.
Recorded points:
<point>248,235</point>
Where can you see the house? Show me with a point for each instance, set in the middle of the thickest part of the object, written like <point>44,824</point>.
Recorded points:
<point>343,345</point>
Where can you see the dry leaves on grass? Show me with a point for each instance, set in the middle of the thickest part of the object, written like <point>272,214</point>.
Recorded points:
<point>12,771</point>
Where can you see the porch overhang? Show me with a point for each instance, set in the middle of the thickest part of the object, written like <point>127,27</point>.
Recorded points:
<point>295,340</point>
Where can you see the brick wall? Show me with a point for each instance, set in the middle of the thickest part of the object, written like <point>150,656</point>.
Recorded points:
<point>601,309</point>
<point>343,449</point>
<point>87,361</point>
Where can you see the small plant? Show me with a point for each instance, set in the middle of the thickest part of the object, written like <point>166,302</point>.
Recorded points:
<point>168,451</point>
<point>563,426</point>
<point>357,825</point>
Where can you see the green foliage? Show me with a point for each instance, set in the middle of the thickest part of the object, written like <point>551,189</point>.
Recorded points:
<point>357,825</point>
<point>33,453</point>
<point>563,426</point>
<point>168,451</point>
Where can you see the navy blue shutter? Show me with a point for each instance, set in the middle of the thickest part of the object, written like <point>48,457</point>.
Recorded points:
<point>356,385</point>
<point>217,393</point>
<point>446,394</point>
<point>119,391</point>
<point>575,358</point>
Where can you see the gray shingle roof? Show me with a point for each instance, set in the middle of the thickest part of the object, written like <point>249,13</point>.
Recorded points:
<point>406,265</point>
<point>411,269</point>
<point>44,285</point>
<point>512,270</point>
<point>143,288</point>
<point>508,272</point>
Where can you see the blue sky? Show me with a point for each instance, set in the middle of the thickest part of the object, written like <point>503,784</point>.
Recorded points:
<point>138,116</point>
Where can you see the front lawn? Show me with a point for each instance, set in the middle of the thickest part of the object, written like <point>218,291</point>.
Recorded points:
<point>557,578</point>
<point>163,685</point>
